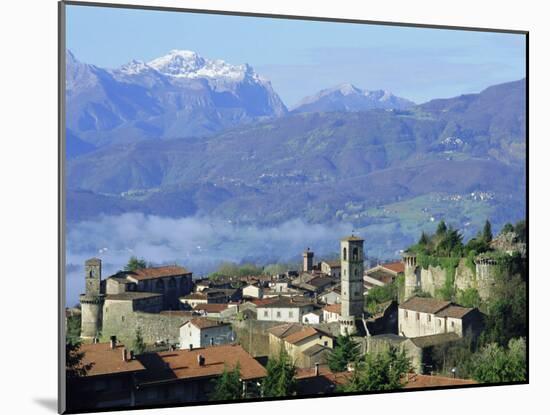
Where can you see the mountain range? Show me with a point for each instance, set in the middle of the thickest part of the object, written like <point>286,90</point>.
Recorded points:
<point>177,95</point>
<point>183,135</point>
<point>349,98</point>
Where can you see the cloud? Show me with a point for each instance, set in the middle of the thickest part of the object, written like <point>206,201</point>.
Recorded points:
<point>198,243</point>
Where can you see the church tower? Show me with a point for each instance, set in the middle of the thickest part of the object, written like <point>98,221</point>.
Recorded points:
<point>91,302</point>
<point>351,260</point>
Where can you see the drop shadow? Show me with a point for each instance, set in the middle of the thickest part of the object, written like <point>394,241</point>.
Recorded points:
<point>48,403</point>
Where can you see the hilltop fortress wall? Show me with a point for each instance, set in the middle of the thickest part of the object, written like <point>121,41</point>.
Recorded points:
<point>433,278</point>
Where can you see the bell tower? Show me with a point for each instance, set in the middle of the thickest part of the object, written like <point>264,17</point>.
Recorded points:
<point>351,260</point>
<point>91,302</point>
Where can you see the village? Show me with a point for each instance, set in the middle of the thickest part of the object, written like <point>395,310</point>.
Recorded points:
<point>156,335</point>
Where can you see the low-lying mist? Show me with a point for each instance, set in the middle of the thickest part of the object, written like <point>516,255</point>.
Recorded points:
<point>198,243</point>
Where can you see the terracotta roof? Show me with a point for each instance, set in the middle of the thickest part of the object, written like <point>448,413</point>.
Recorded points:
<point>301,335</point>
<point>264,301</point>
<point>211,308</point>
<point>158,272</point>
<point>131,296</point>
<point>381,275</point>
<point>285,330</point>
<point>396,266</point>
<point>454,311</point>
<point>308,383</point>
<point>183,364</point>
<point>426,381</point>
<point>194,296</point>
<point>106,361</point>
<point>333,308</point>
<point>424,304</point>
<point>204,323</point>
<point>315,349</point>
<point>286,302</point>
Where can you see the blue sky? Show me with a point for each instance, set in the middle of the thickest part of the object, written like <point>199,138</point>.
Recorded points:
<point>302,57</point>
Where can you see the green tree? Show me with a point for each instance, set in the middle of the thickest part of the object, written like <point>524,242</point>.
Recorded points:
<point>379,371</point>
<point>424,240</point>
<point>469,298</point>
<point>280,380</point>
<point>487,233</point>
<point>507,228</point>
<point>496,364</point>
<point>506,311</point>
<point>344,352</point>
<point>228,386</point>
<point>73,328</point>
<point>135,263</point>
<point>441,228</point>
<point>521,230</point>
<point>138,346</point>
<point>74,367</point>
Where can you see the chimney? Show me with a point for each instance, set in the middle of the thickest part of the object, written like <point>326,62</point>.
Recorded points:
<point>317,369</point>
<point>124,357</point>
<point>113,342</point>
<point>200,359</point>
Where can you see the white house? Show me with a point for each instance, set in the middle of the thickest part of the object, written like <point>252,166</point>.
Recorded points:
<point>419,317</point>
<point>201,332</point>
<point>331,313</point>
<point>284,309</point>
<point>253,291</point>
<point>313,317</point>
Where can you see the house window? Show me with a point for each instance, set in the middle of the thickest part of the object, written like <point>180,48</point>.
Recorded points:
<point>265,313</point>
<point>325,343</point>
<point>439,321</point>
<point>278,314</point>
<point>418,316</point>
<point>291,314</point>
<point>452,324</point>
<point>429,317</point>
<point>406,314</point>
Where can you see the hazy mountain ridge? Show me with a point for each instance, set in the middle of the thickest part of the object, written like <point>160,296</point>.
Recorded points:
<point>316,165</point>
<point>347,97</point>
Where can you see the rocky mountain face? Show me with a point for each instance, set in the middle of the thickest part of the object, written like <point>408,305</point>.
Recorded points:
<point>177,95</point>
<point>347,97</point>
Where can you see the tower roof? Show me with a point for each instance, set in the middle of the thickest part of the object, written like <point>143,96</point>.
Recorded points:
<point>352,238</point>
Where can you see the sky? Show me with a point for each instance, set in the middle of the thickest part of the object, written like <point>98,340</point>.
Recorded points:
<point>302,57</point>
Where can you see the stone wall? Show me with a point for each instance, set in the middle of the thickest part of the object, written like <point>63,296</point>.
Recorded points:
<point>253,335</point>
<point>121,321</point>
<point>432,279</point>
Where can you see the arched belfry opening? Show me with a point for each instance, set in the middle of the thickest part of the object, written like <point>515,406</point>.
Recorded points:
<point>355,254</point>
<point>345,254</point>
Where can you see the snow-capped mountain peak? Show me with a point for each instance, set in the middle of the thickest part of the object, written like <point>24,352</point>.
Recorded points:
<point>189,64</point>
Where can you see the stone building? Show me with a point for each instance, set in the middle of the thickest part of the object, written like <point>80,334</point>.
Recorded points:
<point>202,332</point>
<point>129,300</point>
<point>352,257</point>
<point>182,376</point>
<point>305,345</point>
<point>332,268</point>
<point>307,256</point>
<point>284,309</point>
<point>428,316</point>
<point>110,380</point>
